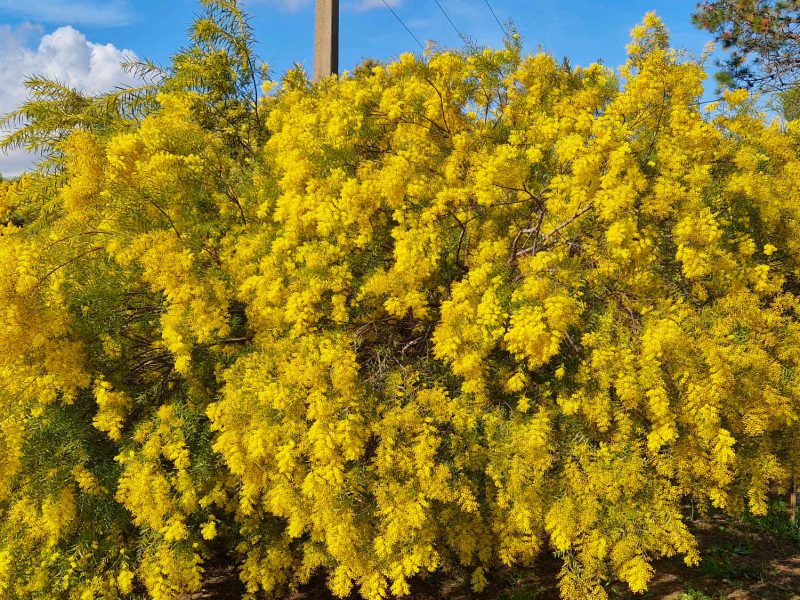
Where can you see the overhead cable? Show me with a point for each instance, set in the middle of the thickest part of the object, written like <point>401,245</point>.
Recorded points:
<point>399,20</point>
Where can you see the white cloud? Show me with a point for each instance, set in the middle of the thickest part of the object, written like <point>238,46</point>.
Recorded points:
<point>287,5</point>
<point>65,55</point>
<point>292,5</point>
<point>109,13</point>
<point>370,4</point>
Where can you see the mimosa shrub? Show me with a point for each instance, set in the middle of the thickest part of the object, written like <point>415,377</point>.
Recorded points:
<point>442,314</point>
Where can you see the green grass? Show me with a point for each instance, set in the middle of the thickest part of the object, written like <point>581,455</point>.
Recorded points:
<point>723,567</point>
<point>776,522</point>
<point>692,594</point>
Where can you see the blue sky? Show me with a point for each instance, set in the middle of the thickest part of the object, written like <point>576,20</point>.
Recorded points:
<point>585,30</point>
<point>81,42</point>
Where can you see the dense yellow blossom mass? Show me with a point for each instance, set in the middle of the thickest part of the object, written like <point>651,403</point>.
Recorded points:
<point>446,313</point>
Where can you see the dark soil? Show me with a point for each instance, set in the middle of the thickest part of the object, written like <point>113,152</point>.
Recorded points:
<point>742,560</point>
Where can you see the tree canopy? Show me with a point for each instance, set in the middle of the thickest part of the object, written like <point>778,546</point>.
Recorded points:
<point>762,38</point>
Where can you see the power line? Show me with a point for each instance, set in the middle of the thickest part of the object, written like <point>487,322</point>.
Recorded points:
<point>396,16</point>
<point>494,14</point>
<point>453,25</point>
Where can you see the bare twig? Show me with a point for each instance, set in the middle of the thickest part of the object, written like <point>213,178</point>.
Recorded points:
<point>537,243</point>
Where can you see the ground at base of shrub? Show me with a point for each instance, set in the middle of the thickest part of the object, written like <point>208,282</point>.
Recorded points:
<point>743,559</point>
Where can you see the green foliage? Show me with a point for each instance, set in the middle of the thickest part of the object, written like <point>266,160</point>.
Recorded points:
<point>761,36</point>
<point>777,522</point>
<point>789,103</point>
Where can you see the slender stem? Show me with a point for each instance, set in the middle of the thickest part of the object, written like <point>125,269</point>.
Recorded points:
<point>537,242</point>
<point>62,265</point>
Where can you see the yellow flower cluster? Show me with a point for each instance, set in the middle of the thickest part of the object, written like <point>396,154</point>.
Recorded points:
<point>441,314</point>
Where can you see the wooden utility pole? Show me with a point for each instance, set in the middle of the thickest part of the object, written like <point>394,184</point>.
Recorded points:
<point>326,39</point>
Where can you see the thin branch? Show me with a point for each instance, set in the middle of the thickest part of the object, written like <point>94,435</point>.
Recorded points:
<point>70,237</point>
<point>532,249</point>
<point>62,265</point>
